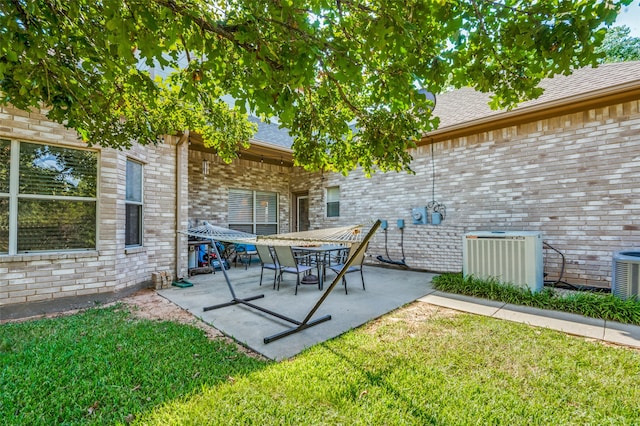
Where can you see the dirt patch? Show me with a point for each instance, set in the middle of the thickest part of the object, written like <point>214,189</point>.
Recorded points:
<point>148,304</point>
<point>413,315</point>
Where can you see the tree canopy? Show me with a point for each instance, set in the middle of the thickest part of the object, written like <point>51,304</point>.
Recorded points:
<point>342,75</point>
<point>619,46</point>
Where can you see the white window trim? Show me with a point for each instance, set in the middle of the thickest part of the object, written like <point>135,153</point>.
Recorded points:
<point>326,204</point>
<point>129,248</point>
<point>298,199</point>
<point>14,196</point>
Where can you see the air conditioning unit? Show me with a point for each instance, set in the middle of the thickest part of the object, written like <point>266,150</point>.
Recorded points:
<point>509,257</point>
<point>626,274</point>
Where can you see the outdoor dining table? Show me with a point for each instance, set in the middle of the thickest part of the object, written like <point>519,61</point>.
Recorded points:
<point>321,255</point>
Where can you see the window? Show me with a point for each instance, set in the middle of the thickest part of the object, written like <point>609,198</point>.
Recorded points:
<point>254,212</point>
<point>48,198</point>
<point>333,201</point>
<point>5,163</point>
<point>133,226</point>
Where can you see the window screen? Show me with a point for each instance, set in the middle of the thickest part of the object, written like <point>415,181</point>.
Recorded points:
<point>4,225</point>
<point>5,163</point>
<point>333,201</point>
<point>56,198</point>
<point>59,224</point>
<point>57,171</point>
<point>133,218</point>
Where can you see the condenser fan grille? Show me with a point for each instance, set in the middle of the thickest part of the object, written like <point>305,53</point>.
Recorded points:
<point>626,274</point>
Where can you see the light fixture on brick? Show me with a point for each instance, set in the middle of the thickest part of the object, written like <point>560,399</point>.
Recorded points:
<point>205,167</point>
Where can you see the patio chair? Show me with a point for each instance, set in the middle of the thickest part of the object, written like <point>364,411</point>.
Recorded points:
<point>244,253</point>
<point>267,261</point>
<point>291,264</point>
<point>356,266</point>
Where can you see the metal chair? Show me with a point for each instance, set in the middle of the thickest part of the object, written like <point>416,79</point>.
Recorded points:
<point>356,266</point>
<point>267,261</point>
<point>245,252</point>
<point>290,264</point>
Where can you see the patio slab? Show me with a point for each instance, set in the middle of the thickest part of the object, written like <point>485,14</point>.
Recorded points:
<point>386,289</point>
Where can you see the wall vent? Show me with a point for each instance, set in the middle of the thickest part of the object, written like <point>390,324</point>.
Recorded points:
<point>509,257</point>
<point>626,274</point>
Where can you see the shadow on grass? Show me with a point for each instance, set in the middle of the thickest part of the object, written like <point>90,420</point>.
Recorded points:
<point>379,379</point>
<point>105,366</point>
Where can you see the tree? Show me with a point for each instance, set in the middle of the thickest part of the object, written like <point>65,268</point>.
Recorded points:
<point>342,75</point>
<point>619,46</point>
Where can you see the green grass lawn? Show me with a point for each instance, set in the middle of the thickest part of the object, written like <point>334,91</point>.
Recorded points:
<point>420,365</point>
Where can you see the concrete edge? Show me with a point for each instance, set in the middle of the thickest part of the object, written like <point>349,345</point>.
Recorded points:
<point>463,303</point>
<point>622,334</point>
<point>570,323</point>
<point>566,322</point>
<point>18,311</point>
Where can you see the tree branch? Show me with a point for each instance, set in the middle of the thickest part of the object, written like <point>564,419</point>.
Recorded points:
<point>23,13</point>
<point>220,30</point>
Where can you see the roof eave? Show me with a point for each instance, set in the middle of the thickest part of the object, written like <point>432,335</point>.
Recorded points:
<point>270,146</point>
<point>611,95</point>
<point>258,151</point>
<point>268,152</point>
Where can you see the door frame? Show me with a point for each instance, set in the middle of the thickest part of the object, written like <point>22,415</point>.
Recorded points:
<point>296,210</point>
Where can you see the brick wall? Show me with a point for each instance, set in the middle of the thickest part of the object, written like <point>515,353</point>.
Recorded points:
<point>575,178</point>
<point>111,267</point>
<point>209,194</point>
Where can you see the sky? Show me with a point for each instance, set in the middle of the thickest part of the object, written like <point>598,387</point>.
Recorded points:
<point>630,16</point>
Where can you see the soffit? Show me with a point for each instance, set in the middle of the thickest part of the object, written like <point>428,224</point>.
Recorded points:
<point>258,151</point>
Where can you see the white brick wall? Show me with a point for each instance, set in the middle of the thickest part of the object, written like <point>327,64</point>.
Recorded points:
<point>38,277</point>
<point>209,194</point>
<point>575,178</point>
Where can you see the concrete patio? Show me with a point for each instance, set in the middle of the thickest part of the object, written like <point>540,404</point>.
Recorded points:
<point>386,290</point>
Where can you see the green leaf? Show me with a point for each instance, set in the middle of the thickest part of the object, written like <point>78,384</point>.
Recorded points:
<point>319,65</point>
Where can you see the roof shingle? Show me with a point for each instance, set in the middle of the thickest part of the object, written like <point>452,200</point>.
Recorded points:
<point>467,105</point>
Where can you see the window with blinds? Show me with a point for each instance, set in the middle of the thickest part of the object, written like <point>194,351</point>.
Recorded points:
<point>53,191</point>
<point>255,212</point>
<point>333,201</point>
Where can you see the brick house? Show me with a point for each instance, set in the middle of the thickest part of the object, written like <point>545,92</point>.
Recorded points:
<point>566,164</point>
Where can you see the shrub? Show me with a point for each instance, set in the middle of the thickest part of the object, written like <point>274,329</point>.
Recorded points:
<point>605,306</point>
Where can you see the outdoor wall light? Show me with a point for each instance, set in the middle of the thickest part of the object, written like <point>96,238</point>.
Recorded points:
<point>205,167</point>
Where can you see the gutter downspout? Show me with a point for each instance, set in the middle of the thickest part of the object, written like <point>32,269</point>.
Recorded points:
<point>179,200</point>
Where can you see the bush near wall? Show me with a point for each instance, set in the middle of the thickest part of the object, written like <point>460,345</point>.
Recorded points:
<point>604,306</point>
